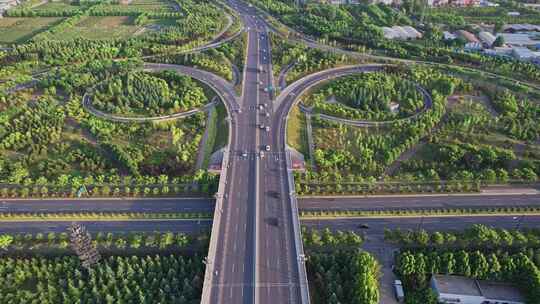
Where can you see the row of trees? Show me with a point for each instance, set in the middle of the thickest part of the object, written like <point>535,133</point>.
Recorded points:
<point>477,236</point>
<point>52,240</point>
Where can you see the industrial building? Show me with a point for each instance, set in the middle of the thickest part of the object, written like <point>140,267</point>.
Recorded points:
<point>518,39</point>
<point>462,290</point>
<point>487,38</point>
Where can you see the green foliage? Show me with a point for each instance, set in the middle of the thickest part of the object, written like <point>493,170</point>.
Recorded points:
<point>368,96</point>
<point>415,269</point>
<point>132,279</point>
<point>149,94</point>
<point>339,272</point>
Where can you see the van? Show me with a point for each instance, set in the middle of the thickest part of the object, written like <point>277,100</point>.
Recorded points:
<point>398,289</point>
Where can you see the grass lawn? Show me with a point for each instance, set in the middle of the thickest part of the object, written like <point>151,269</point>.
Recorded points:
<point>19,30</point>
<point>222,128</point>
<point>297,133</point>
<point>101,28</point>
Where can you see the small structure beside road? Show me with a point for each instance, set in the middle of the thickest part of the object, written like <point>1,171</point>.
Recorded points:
<point>462,290</point>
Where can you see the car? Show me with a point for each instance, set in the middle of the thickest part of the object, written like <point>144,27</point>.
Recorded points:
<point>267,148</point>
<point>244,154</point>
<point>267,129</point>
<point>267,114</point>
<point>261,154</point>
<point>261,107</point>
<point>261,126</point>
<point>363,226</point>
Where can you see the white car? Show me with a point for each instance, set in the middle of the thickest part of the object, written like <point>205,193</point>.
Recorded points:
<point>267,148</point>
<point>267,129</point>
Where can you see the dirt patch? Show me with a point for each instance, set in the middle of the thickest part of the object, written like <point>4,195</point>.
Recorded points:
<point>5,22</point>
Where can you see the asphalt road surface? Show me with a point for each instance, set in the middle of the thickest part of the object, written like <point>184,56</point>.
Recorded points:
<point>255,260</point>
<point>376,226</point>
<point>110,205</point>
<point>185,226</point>
<point>420,202</point>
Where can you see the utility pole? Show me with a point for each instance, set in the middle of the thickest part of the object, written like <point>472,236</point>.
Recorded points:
<point>83,246</point>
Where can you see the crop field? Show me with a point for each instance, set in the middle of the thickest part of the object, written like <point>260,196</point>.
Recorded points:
<point>19,30</point>
<point>153,5</point>
<point>56,6</point>
<point>100,28</point>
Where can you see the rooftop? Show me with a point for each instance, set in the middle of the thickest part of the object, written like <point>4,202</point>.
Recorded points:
<point>459,285</point>
<point>456,285</point>
<point>500,291</point>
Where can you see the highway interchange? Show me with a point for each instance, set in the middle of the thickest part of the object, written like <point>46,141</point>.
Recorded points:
<point>255,257</point>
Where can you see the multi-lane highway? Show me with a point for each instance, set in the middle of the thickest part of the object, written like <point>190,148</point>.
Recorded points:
<point>157,205</point>
<point>419,202</point>
<point>185,226</point>
<point>255,256</point>
<point>374,227</point>
<point>109,205</point>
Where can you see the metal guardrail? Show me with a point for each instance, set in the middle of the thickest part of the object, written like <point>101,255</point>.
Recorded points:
<point>216,226</point>
<point>300,256</point>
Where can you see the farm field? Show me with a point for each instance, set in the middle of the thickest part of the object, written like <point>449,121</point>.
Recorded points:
<point>19,30</point>
<point>153,5</point>
<point>56,6</point>
<point>100,28</point>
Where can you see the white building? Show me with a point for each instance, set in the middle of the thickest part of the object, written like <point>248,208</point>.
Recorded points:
<point>522,53</point>
<point>401,32</point>
<point>461,290</point>
<point>487,38</point>
<point>518,39</point>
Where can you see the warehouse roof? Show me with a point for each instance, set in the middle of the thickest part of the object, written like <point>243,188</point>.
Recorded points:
<point>494,291</point>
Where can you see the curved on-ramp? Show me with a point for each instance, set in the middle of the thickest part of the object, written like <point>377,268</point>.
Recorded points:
<point>428,101</point>
<point>222,88</point>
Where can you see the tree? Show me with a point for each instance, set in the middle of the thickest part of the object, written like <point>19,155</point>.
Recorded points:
<point>5,241</point>
<point>499,41</point>
<point>498,26</point>
<point>83,246</point>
